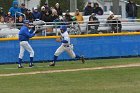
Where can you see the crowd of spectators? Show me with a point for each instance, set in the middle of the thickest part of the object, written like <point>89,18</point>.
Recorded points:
<point>45,13</point>
<point>17,13</point>
<point>93,8</point>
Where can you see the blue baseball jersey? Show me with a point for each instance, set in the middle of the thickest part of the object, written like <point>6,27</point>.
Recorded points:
<point>25,34</point>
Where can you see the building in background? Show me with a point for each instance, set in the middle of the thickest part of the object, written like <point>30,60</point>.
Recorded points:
<point>30,3</point>
<point>106,5</point>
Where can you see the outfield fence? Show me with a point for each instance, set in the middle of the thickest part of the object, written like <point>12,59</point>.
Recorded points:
<point>91,46</point>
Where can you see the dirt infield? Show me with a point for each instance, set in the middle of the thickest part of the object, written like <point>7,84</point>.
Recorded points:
<point>71,70</point>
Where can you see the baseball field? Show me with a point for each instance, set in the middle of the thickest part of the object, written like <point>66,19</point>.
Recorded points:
<point>121,75</point>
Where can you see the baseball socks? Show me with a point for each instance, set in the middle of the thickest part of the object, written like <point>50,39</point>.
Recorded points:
<point>31,62</point>
<point>19,63</point>
<point>54,60</point>
<point>81,57</point>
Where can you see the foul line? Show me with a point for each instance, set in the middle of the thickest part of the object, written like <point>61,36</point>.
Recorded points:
<point>71,70</point>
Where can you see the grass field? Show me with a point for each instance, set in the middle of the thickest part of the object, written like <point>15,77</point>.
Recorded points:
<point>111,80</point>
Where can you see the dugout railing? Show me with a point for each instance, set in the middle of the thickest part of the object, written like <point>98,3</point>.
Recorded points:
<point>74,28</point>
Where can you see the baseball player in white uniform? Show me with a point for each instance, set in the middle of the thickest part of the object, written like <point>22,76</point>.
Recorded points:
<point>65,46</point>
<point>24,35</point>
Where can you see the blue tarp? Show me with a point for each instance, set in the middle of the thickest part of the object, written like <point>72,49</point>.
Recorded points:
<point>90,47</point>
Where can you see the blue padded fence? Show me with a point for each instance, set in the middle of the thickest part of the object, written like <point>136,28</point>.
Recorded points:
<point>90,47</point>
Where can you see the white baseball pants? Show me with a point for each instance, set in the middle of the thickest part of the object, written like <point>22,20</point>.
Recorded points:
<point>68,49</point>
<point>24,45</point>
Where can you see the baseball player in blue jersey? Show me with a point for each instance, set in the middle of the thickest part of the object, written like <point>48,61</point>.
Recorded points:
<point>24,35</point>
<point>65,46</point>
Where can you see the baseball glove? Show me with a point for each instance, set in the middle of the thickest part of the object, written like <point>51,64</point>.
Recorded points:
<point>38,31</point>
<point>58,39</point>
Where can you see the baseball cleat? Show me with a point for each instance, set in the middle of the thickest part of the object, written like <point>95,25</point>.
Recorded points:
<point>20,66</point>
<point>52,64</point>
<point>82,59</point>
<point>31,65</point>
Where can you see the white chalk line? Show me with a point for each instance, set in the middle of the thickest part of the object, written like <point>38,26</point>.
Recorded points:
<point>71,70</point>
<point>26,67</point>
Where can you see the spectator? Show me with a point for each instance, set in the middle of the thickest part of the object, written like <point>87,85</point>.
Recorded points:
<point>20,19</point>
<point>47,8</point>
<point>93,24</point>
<point>54,14</point>
<point>111,15</point>
<point>58,9</point>
<point>19,22</point>
<point>29,15</point>
<point>15,9</point>
<point>23,9</point>
<point>68,17</point>
<point>2,19</point>
<point>43,11</point>
<point>47,17</point>
<point>116,25</point>
<point>131,10</point>
<point>79,16</point>
<point>109,20</point>
<point>11,23</point>
<point>74,27</point>
<point>2,13</point>
<point>97,10</point>
<point>9,18</point>
<point>88,9</point>
<point>36,14</point>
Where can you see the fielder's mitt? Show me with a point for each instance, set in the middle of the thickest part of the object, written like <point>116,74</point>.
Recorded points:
<point>38,31</point>
<point>58,39</point>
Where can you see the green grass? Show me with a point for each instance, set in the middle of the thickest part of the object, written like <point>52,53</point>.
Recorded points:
<point>120,80</point>
<point>69,65</point>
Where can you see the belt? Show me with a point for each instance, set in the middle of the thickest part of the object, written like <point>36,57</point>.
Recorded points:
<point>23,40</point>
<point>66,45</point>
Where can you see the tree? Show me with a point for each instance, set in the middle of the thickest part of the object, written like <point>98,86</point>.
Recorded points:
<point>138,2</point>
<point>6,4</point>
<point>65,4</point>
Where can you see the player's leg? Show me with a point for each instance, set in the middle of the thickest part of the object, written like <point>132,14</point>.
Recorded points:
<point>56,54</point>
<point>21,54</point>
<point>73,55</point>
<point>31,51</point>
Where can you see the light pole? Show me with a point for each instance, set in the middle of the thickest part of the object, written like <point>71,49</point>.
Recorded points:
<point>73,5</point>
<point>116,7</point>
<point>47,1</point>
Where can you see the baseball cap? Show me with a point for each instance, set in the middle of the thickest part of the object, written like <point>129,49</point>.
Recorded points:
<point>28,10</point>
<point>1,8</point>
<point>26,21</point>
<point>35,8</point>
<point>57,4</point>
<point>111,13</point>
<point>23,4</point>
<point>46,3</point>
<point>67,11</point>
<point>43,7</point>
<point>93,14</point>
<point>63,27</point>
<point>89,2</point>
<point>77,9</point>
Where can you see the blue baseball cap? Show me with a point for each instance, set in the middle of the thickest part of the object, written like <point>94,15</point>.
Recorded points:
<point>63,27</point>
<point>26,21</point>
